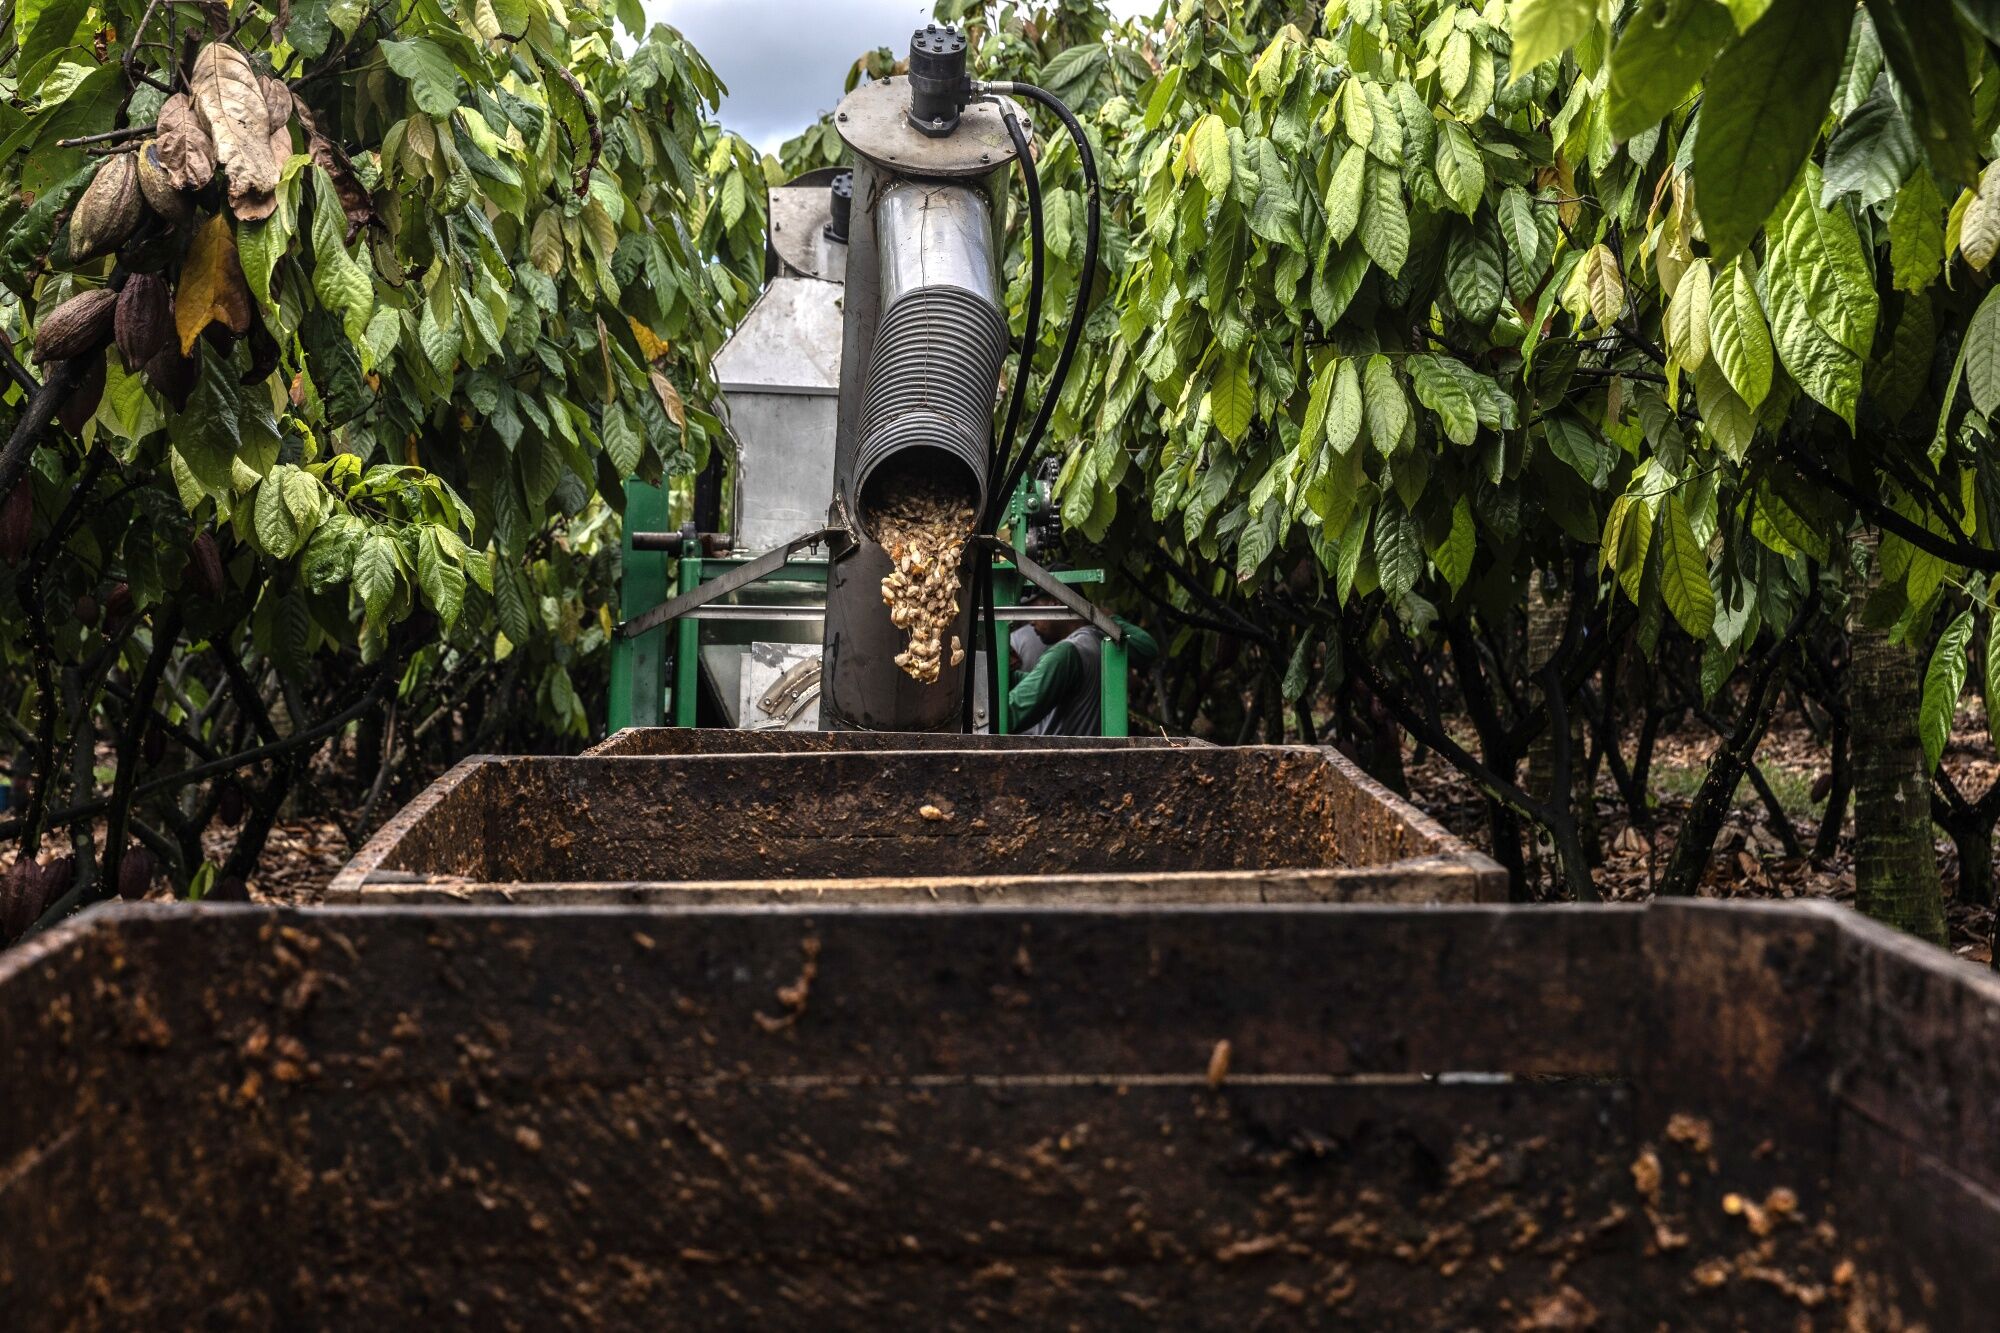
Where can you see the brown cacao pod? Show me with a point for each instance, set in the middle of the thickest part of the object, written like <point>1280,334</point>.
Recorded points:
<point>204,566</point>
<point>108,210</point>
<point>145,319</point>
<point>118,602</point>
<point>77,409</point>
<point>20,890</point>
<point>17,522</point>
<point>78,325</point>
<point>229,809</point>
<point>159,192</point>
<point>86,609</point>
<point>174,375</point>
<point>135,873</point>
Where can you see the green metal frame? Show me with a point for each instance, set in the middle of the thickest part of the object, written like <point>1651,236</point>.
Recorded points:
<point>642,696</point>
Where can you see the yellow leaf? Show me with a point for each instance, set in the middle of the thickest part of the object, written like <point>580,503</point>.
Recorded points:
<point>212,288</point>
<point>651,345</point>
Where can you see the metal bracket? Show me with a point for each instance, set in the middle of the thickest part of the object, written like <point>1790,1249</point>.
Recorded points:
<point>1057,589</point>
<point>768,563</point>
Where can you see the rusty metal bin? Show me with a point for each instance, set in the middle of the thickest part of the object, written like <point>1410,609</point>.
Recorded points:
<point>1002,823</point>
<point>1685,1116</point>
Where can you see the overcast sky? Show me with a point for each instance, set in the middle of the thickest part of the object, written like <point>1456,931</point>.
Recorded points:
<point>785,60</point>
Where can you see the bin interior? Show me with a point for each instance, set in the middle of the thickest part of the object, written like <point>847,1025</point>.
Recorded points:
<point>823,817</point>
<point>1690,1116</point>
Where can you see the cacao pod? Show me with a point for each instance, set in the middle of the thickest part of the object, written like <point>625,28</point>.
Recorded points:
<point>20,890</point>
<point>135,873</point>
<point>174,375</point>
<point>81,405</point>
<point>80,324</point>
<point>118,603</point>
<point>86,609</point>
<point>57,876</point>
<point>109,209</point>
<point>230,889</point>
<point>159,192</point>
<point>204,566</point>
<point>229,809</point>
<point>17,522</point>
<point>145,319</point>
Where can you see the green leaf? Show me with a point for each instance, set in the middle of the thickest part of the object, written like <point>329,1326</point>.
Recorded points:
<point>1344,193</point>
<point>1684,571</point>
<point>1738,335</point>
<point>1472,276</point>
<point>1823,297</point>
<point>1872,152</point>
<point>1916,233</point>
<point>1517,225</point>
<point>1688,316</point>
<point>45,27</point>
<point>1343,414</point>
<point>1314,429</point>
<point>1577,443</point>
<point>277,532</point>
<point>1399,556</point>
<point>1979,226</point>
<point>1208,153</point>
<point>1544,29</point>
<point>1765,99</point>
<point>433,78</point>
<point>1982,354</point>
<point>1445,394</point>
<point>340,283</point>
<point>1459,167</point>
<point>1660,56</point>
<point>1628,536</point>
<point>1925,48</point>
<point>510,601</point>
<point>1230,398</point>
<point>1600,284</point>
<point>377,571</point>
<point>1454,557</point>
<point>1388,410</point>
<point>622,441</point>
<point>1385,226</point>
<point>1992,671</point>
<point>438,572</point>
<point>1944,678</point>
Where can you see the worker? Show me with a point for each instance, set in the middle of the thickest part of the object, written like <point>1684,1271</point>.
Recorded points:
<point>1058,691</point>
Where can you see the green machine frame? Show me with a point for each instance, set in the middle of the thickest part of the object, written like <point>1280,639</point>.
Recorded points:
<point>643,694</point>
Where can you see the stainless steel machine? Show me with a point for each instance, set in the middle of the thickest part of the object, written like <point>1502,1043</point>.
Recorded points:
<point>873,357</point>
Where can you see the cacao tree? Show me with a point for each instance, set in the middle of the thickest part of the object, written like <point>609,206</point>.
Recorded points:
<point>336,329</point>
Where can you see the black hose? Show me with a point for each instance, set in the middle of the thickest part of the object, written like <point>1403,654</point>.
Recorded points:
<point>1087,276</point>
<point>1024,366</point>
<point>984,620</point>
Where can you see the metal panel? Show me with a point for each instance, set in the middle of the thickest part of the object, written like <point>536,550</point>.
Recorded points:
<point>788,343</point>
<point>799,216</point>
<point>785,465</point>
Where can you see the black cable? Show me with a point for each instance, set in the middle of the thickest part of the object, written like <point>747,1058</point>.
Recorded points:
<point>1085,278</point>
<point>984,618</point>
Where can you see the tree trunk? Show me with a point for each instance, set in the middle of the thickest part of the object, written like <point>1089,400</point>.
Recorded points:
<point>1828,841</point>
<point>1895,865</point>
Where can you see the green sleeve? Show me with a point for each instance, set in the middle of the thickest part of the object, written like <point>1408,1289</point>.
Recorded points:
<point>1139,645</point>
<point>1054,678</point>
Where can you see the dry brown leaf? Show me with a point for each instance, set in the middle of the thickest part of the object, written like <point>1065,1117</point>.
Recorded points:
<point>670,398</point>
<point>212,288</point>
<point>327,155</point>
<point>185,150</point>
<point>236,112</point>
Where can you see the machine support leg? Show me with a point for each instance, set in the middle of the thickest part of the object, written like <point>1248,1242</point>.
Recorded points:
<point>1114,715</point>
<point>638,678</point>
<point>687,649</point>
